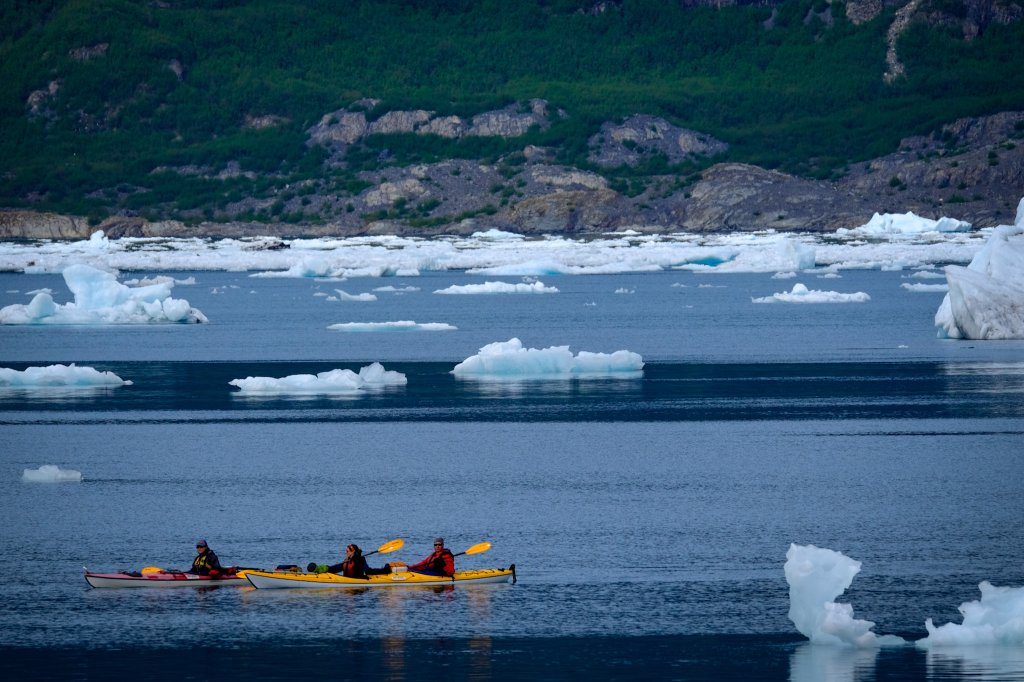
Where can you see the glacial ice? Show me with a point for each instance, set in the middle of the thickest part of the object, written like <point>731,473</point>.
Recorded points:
<point>397,326</point>
<point>509,359</point>
<point>986,298</point>
<point>801,294</point>
<point>816,577</point>
<point>333,382</point>
<point>62,376</point>
<point>101,299</point>
<point>499,288</point>
<point>906,223</point>
<point>51,473</point>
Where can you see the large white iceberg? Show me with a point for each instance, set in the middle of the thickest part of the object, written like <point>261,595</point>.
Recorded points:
<point>986,299</point>
<point>101,299</point>
<point>907,223</point>
<point>801,294</point>
<point>51,473</point>
<point>63,376</point>
<point>998,618</point>
<point>335,381</point>
<point>510,359</point>
<point>816,577</point>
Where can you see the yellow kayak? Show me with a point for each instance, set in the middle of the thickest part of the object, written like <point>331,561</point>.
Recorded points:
<point>397,578</point>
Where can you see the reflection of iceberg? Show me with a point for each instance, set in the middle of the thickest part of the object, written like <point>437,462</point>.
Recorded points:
<point>51,473</point>
<point>101,299</point>
<point>986,299</point>
<point>981,663</point>
<point>62,376</point>
<point>336,381</point>
<point>510,359</point>
<point>811,663</point>
<point>816,576</point>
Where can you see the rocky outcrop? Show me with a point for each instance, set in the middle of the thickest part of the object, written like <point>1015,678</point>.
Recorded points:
<point>640,137</point>
<point>34,225</point>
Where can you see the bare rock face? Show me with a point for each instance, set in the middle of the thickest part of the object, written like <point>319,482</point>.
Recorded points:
<point>34,225</point>
<point>640,136</point>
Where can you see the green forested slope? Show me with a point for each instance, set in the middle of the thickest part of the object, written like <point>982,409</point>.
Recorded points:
<point>179,79</point>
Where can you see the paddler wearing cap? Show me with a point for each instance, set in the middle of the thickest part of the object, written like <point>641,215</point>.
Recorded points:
<point>440,562</point>
<point>206,562</point>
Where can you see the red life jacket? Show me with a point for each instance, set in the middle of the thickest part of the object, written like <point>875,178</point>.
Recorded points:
<point>442,561</point>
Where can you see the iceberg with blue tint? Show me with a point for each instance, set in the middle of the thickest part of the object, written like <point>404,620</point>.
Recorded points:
<point>996,619</point>
<point>333,382</point>
<point>397,326</point>
<point>101,299</point>
<point>801,294</point>
<point>499,288</point>
<point>51,473</point>
<point>986,299</point>
<point>816,577</point>
<point>59,376</point>
<point>509,359</point>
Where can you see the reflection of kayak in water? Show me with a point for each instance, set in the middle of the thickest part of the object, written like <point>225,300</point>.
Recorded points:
<point>161,579</point>
<point>397,578</point>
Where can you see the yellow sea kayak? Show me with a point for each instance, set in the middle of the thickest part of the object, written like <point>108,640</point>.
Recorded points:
<point>397,578</point>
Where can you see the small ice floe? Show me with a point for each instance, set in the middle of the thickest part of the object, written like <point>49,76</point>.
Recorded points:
<point>397,290</point>
<point>101,299</point>
<point>924,288</point>
<point>365,297</point>
<point>986,299</point>
<point>996,619</point>
<point>509,359</point>
<point>51,473</point>
<point>59,376</point>
<point>624,290</point>
<point>816,577</point>
<point>784,275</point>
<point>801,294</point>
<point>398,326</point>
<point>335,381</point>
<point>499,288</point>
<point>158,279</point>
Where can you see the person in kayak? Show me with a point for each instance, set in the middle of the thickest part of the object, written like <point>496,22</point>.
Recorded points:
<point>206,561</point>
<point>440,562</point>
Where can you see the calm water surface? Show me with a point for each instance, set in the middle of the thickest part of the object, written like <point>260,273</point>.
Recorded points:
<point>649,517</point>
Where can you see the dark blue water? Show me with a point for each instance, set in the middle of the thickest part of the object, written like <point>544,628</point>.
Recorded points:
<point>648,517</point>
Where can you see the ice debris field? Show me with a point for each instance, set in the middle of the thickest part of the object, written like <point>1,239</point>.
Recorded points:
<point>818,576</point>
<point>985,284</point>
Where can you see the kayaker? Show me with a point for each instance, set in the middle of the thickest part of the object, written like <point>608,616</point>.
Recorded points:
<point>354,565</point>
<point>440,562</point>
<point>206,561</point>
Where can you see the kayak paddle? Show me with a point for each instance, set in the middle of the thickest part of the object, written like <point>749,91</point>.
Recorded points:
<point>388,547</point>
<point>476,549</point>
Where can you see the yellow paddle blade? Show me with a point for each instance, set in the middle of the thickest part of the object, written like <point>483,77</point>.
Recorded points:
<point>477,548</point>
<point>152,569</point>
<point>392,546</point>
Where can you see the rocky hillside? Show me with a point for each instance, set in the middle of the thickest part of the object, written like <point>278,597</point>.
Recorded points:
<point>533,166</point>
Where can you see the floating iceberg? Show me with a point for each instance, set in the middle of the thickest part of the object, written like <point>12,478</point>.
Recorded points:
<point>816,576</point>
<point>399,326</point>
<point>336,381</point>
<point>101,299</point>
<point>998,618</point>
<point>62,376</point>
<point>509,359</point>
<point>925,288</point>
<point>801,294</point>
<point>365,297</point>
<point>906,223</point>
<point>986,299</point>
<point>50,473</point>
<point>499,288</point>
